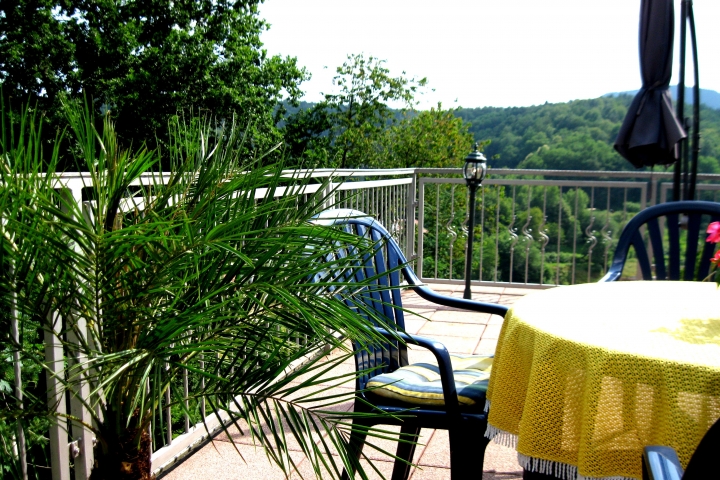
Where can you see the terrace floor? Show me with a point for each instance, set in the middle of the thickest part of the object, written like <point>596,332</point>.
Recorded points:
<point>460,331</point>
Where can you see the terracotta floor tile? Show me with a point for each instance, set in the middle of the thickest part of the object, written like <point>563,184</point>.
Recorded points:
<point>496,319</point>
<point>307,472</point>
<point>486,297</point>
<point>431,473</point>
<point>452,329</point>
<point>390,444</point>
<point>502,461</point>
<point>492,331</point>
<point>486,289</point>
<point>519,291</point>
<point>464,345</point>
<point>418,311</point>
<point>486,346</point>
<point>221,461</point>
<point>437,451</point>
<point>417,355</point>
<point>413,325</point>
<point>508,299</point>
<point>459,316</point>
<point>499,460</point>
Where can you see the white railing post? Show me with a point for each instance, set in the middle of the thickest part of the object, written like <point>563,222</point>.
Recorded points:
<point>55,374</point>
<point>78,335</point>
<point>17,369</point>
<point>329,194</point>
<point>410,209</point>
<point>80,394</point>
<point>420,229</point>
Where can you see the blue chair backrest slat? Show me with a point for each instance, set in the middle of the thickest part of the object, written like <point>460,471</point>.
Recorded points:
<point>642,254</point>
<point>673,226</point>
<point>393,264</point>
<point>384,281</point>
<point>370,295</point>
<point>657,246</point>
<point>693,234</point>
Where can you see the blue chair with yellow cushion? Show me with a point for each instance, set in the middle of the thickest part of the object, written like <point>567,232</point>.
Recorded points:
<point>447,394</point>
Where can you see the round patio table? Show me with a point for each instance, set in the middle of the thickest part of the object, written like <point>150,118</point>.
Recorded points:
<point>585,376</point>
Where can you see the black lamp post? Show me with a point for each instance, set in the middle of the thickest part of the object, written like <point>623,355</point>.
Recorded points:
<point>474,172</point>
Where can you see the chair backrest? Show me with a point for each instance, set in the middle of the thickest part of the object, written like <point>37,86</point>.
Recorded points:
<point>662,463</point>
<point>676,233</point>
<point>381,272</point>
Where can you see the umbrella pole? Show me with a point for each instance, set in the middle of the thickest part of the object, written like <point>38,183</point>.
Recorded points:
<point>696,105</point>
<point>678,186</point>
<point>687,164</point>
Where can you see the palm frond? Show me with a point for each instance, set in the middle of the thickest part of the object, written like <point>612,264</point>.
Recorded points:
<point>213,271</point>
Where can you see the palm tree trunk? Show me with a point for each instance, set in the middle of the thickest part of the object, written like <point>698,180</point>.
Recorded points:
<point>125,456</point>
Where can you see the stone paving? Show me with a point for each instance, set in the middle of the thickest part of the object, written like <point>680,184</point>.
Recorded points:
<point>460,331</point>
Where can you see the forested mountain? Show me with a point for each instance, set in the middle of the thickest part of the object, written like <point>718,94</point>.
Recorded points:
<point>710,98</point>
<point>576,135</point>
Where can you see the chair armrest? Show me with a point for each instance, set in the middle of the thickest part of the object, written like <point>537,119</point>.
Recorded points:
<point>428,294</point>
<point>447,379</point>
<point>661,463</point>
<point>475,306</point>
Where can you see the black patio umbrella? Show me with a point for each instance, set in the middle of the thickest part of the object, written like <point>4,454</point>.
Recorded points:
<point>650,133</point>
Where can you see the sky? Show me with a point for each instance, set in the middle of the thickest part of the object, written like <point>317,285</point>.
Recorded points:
<point>477,53</point>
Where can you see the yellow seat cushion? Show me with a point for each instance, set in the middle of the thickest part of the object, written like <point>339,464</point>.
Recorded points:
<point>419,383</point>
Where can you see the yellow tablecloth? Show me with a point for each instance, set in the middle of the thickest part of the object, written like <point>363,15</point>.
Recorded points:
<point>585,376</point>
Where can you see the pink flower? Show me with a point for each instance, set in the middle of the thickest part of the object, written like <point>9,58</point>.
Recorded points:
<point>713,231</point>
<point>715,260</point>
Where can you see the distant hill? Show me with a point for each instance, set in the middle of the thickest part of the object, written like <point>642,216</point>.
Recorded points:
<point>709,98</point>
<point>577,135</point>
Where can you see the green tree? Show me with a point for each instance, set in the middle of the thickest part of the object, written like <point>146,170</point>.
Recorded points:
<point>430,138</point>
<point>360,113</point>
<point>307,137</point>
<point>146,60</point>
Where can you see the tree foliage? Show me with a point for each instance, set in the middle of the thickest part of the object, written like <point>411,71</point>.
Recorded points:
<point>144,61</point>
<point>577,135</point>
<point>430,138</point>
<point>358,126</point>
<point>359,111</point>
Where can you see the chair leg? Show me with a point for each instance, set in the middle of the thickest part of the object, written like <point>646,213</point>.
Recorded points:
<point>467,452</point>
<point>358,433</point>
<point>401,470</point>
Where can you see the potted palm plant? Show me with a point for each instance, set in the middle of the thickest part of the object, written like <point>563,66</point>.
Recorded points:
<point>205,270</point>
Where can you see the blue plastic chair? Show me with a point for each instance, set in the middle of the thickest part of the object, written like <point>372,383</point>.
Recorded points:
<point>661,463</point>
<point>466,426</point>
<point>666,249</point>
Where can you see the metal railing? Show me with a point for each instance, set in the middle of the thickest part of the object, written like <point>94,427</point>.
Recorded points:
<point>534,229</point>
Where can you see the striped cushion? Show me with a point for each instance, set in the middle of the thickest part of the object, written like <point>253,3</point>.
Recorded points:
<point>419,383</point>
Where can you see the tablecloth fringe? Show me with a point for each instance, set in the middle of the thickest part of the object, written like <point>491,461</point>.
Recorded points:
<point>501,437</point>
<point>558,469</point>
